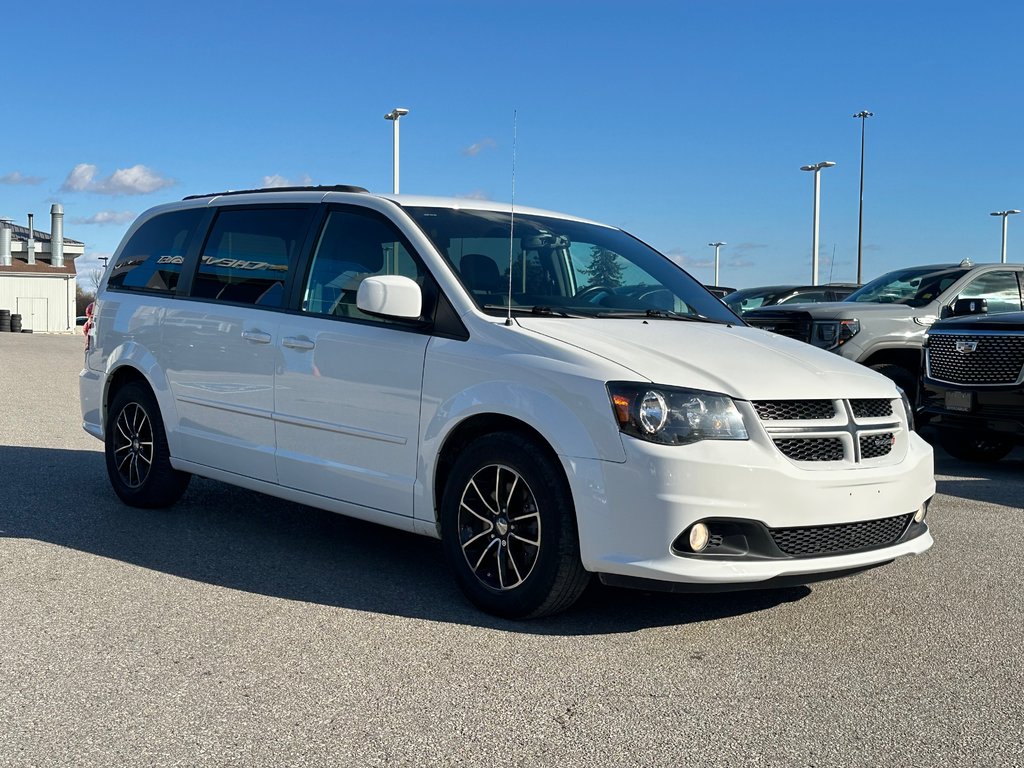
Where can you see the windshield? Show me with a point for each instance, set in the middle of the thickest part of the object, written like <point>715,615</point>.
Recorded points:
<point>562,267</point>
<point>914,287</point>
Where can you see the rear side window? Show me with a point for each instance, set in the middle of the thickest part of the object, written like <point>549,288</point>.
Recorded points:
<point>151,260</point>
<point>247,257</point>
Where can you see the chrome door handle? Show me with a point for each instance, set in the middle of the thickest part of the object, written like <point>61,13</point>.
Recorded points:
<point>298,342</point>
<point>256,337</point>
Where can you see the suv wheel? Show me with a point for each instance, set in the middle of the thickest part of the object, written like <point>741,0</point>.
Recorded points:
<point>973,446</point>
<point>508,527</point>
<point>138,460</point>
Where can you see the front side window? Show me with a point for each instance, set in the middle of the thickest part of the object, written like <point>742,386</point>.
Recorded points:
<point>999,289</point>
<point>151,260</point>
<point>248,254</point>
<point>549,265</point>
<point>352,246</point>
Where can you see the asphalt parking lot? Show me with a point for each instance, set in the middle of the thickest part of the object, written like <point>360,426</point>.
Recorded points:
<point>238,630</point>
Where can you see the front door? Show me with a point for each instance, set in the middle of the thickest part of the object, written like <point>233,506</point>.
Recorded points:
<point>348,392</point>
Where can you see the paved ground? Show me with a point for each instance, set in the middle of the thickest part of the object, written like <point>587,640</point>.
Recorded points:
<point>240,630</point>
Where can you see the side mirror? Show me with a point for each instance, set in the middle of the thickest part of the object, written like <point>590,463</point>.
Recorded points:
<point>390,296</point>
<point>969,307</point>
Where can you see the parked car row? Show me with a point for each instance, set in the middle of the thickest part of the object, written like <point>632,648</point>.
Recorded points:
<point>950,335</point>
<point>746,299</point>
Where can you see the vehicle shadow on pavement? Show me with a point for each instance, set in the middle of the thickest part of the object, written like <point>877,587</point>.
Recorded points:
<point>1000,482</point>
<point>238,539</point>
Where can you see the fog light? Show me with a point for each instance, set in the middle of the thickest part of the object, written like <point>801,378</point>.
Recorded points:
<point>918,516</point>
<point>699,537</point>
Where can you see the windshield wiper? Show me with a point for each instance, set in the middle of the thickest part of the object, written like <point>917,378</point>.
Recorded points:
<point>539,309</point>
<point>661,313</point>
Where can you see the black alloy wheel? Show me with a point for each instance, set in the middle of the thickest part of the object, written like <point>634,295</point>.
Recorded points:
<point>137,457</point>
<point>509,529</point>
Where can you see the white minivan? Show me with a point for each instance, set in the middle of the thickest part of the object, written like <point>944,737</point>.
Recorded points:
<point>549,396</point>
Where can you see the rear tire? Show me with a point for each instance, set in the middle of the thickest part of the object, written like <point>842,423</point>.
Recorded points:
<point>973,446</point>
<point>508,526</point>
<point>138,460</point>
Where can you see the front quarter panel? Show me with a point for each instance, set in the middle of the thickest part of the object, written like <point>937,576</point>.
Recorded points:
<point>567,404</point>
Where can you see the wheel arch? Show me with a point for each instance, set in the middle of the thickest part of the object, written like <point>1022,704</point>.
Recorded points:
<point>908,358</point>
<point>470,429</point>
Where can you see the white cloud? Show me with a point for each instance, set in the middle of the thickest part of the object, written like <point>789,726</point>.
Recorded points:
<point>106,217</point>
<point>480,146</point>
<point>680,257</point>
<point>17,177</point>
<point>137,180</point>
<point>280,181</point>
<point>476,194</point>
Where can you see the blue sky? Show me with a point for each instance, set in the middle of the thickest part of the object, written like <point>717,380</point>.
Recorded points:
<point>683,122</point>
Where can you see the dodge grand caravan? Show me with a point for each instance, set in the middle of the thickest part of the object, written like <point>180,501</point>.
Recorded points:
<point>549,396</point>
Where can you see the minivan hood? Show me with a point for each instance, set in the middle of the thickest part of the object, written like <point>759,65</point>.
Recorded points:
<point>743,362</point>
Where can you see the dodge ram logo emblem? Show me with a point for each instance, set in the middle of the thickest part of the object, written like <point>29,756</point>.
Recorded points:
<point>966,346</point>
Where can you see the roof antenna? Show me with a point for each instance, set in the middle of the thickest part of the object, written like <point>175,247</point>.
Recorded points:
<point>832,267</point>
<point>512,218</point>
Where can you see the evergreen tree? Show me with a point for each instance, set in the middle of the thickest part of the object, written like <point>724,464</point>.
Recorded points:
<point>605,268</point>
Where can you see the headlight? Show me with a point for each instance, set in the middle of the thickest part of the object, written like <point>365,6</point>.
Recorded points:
<point>674,416</point>
<point>834,333</point>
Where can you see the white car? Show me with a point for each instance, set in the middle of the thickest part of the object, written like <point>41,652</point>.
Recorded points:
<point>549,396</point>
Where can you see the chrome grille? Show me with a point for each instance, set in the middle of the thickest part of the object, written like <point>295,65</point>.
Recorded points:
<point>873,446</point>
<point>833,539</point>
<point>811,448</point>
<point>871,409</point>
<point>790,410</point>
<point>996,359</point>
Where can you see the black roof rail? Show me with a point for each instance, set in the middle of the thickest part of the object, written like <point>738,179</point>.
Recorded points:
<point>320,188</point>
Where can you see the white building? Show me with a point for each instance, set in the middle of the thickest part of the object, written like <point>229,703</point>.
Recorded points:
<point>37,274</point>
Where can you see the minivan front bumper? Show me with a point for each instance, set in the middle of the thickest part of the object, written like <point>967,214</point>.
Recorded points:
<point>631,514</point>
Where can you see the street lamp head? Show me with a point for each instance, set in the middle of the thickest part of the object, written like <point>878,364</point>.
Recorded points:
<point>396,113</point>
<point>717,245</point>
<point>864,113</point>
<point>1004,213</point>
<point>817,166</point>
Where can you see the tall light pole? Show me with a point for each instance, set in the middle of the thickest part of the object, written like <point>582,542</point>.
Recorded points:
<point>1004,214</point>
<point>863,115</point>
<point>393,116</point>
<point>716,246</point>
<point>817,194</point>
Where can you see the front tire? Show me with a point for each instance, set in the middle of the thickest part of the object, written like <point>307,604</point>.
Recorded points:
<point>508,527</point>
<point>138,460</point>
<point>973,446</point>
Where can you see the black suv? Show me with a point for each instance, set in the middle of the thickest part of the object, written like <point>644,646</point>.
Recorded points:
<point>972,388</point>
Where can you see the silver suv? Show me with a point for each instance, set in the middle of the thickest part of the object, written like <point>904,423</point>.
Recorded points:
<point>883,325</point>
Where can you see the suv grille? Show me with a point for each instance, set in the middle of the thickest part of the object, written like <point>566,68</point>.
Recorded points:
<point>995,359</point>
<point>795,325</point>
<point>833,539</point>
<point>789,410</point>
